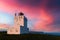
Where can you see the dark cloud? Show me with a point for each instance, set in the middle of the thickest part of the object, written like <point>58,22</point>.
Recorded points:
<point>48,3</point>
<point>56,21</point>
<point>56,16</point>
<point>53,3</point>
<point>30,2</point>
<point>54,8</point>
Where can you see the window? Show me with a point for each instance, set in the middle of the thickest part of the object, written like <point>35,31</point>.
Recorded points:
<point>16,30</point>
<point>10,30</point>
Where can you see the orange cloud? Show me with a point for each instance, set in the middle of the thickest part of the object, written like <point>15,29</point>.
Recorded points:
<point>4,26</point>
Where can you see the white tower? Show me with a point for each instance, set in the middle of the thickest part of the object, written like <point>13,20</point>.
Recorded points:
<point>19,25</point>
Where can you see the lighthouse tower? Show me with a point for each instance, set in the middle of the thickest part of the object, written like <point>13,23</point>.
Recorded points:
<point>20,25</point>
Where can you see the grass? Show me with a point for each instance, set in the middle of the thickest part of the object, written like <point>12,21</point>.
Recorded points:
<point>4,36</point>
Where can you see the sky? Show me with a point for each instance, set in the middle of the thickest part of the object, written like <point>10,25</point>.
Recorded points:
<point>42,15</point>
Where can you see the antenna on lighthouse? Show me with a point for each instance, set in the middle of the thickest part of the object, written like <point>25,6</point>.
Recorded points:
<point>15,14</point>
<point>20,13</point>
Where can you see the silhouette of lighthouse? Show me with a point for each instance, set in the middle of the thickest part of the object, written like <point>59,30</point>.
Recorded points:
<point>20,25</point>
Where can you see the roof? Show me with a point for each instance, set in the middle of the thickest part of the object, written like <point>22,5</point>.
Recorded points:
<point>20,13</point>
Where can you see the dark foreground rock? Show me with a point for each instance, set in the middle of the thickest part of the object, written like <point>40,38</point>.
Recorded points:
<point>4,36</point>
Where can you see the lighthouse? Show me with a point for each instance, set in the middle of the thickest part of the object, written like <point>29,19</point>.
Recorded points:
<point>20,25</point>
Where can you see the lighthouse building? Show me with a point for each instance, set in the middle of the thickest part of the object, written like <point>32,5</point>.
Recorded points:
<point>20,25</point>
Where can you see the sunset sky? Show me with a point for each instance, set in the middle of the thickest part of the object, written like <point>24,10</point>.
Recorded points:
<point>42,15</point>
